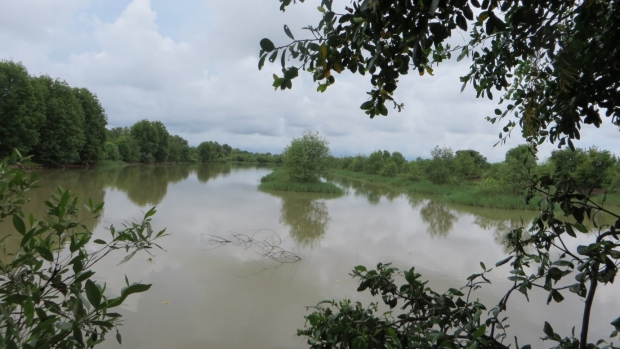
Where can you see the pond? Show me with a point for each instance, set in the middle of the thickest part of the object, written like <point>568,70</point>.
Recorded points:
<point>207,295</point>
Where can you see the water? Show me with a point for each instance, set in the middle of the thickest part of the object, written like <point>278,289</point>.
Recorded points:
<point>205,296</point>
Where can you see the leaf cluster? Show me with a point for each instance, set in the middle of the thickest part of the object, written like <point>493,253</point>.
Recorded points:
<point>48,296</point>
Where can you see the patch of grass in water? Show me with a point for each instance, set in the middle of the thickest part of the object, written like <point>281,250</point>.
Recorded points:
<point>277,180</point>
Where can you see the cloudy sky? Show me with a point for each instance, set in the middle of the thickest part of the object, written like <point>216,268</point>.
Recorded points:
<point>193,65</point>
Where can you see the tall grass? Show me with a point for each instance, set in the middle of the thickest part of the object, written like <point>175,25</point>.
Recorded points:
<point>277,180</point>
<point>469,194</point>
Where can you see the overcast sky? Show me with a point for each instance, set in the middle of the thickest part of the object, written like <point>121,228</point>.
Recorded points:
<point>192,64</point>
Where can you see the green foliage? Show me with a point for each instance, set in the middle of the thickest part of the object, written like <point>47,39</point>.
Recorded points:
<point>111,152</point>
<point>163,141</point>
<point>95,121</point>
<point>49,297</point>
<point>147,138</point>
<point>357,164</point>
<point>179,150</point>
<point>279,180</point>
<point>612,179</point>
<point>128,148</point>
<point>62,135</point>
<point>305,159</point>
<point>441,168</point>
<point>390,169</point>
<point>374,163</point>
<point>21,110</point>
<point>469,164</point>
<point>547,57</point>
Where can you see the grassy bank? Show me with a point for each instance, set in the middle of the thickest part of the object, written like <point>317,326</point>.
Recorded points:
<point>277,180</point>
<point>469,194</point>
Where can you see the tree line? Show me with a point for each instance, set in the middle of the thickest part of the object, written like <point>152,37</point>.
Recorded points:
<point>45,117</point>
<point>149,142</point>
<point>590,168</point>
<point>58,124</point>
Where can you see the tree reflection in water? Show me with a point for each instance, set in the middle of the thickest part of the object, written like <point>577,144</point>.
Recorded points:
<point>439,217</point>
<point>305,213</point>
<point>373,193</point>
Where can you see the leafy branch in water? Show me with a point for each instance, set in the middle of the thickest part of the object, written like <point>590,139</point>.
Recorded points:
<point>48,298</point>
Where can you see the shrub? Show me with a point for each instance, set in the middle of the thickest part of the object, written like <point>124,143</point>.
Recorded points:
<point>390,169</point>
<point>306,158</point>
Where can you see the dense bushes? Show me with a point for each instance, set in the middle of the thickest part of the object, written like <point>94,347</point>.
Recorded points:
<point>591,168</point>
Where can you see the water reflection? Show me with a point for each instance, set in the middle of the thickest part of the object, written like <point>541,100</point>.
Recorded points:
<point>207,172</point>
<point>305,213</point>
<point>373,193</point>
<point>439,217</point>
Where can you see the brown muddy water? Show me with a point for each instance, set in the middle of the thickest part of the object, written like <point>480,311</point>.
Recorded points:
<point>210,296</point>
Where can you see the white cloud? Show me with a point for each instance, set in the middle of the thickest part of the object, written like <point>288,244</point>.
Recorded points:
<point>159,61</point>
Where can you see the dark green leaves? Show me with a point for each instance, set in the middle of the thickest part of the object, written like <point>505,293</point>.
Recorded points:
<point>266,45</point>
<point>504,261</point>
<point>93,293</point>
<point>19,225</point>
<point>288,33</point>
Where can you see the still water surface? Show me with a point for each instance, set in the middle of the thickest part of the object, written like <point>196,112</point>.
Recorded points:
<point>229,297</point>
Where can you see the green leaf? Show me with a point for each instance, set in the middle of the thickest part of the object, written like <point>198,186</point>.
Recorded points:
<point>570,231</point>
<point>367,105</point>
<point>267,45</point>
<point>65,326</point>
<point>93,293</point>
<point>19,225</point>
<point>616,324</point>
<point>503,261</point>
<point>261,61</point>
<point>479,332</point>
<point>100,242</point>
<point>119,339</point>
<point>45,253</point>
<point>288,33</point>
<point>433,7</point>
<point>548,329</point>
<point>84,275</point>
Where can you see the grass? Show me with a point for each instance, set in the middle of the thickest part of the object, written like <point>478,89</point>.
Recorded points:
<point>277,180</point>
<point>468,194</point>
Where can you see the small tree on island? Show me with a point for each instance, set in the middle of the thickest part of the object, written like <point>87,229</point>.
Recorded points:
<point>305,159</point>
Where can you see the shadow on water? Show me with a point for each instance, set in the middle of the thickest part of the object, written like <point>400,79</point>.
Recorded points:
<point>305,213</point>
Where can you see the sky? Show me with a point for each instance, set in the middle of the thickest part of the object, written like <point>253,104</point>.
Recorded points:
<point>192,64</point>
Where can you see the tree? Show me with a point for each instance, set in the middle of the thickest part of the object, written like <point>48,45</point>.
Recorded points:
<point>22,114</point>
<point>179,149</point>
<point>147,138</point>
<point>205,152</point>
<point>95,121</point>
<point>374,163</point>
<point>470,164</point>
<point>62,134</point>
<point>305,159</point>
<point>128,148</point>
<point>163,141</point>
<point>441,167</point>
<point>556,63</point>
<point>48,295</point>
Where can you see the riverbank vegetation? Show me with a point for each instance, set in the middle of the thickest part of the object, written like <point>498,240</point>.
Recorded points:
<point>466,177</point>
<point>555,65</point>
<point>305,160</point>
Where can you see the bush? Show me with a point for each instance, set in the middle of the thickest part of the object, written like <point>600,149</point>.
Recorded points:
<point>110,151</point>
<point>357,164</point>
<point>375,161</point>
<point>390,169</point>
<point>306,158</point>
